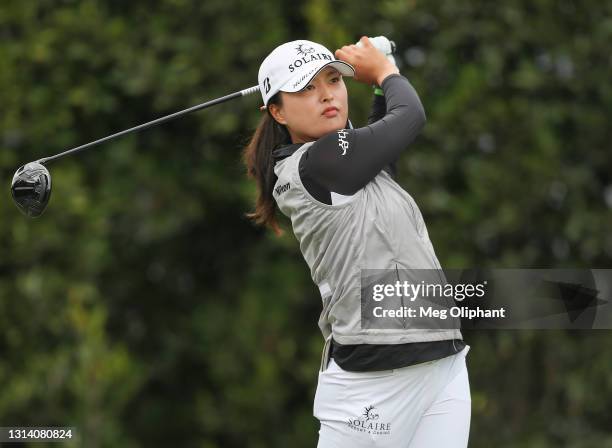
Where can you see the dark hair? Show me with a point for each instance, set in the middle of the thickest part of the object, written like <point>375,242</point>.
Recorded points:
<point>257,156</point>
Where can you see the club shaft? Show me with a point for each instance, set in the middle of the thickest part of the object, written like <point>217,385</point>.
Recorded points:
<point>155,122</point>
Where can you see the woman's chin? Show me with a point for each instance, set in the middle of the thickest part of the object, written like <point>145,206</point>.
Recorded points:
<point>333,124</point>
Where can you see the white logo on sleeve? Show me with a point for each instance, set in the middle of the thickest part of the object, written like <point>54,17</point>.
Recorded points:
<point>344,144</point>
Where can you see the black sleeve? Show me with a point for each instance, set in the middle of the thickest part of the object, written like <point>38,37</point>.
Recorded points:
<point>378,110</point>
<point>346,160</point>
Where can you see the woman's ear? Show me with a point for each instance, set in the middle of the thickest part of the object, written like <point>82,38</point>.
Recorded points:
<point>277,113</point>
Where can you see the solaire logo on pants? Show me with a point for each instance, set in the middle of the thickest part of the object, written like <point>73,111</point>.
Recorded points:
<point>369,422</point>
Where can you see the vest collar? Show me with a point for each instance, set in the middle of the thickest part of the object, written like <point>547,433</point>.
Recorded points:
<point>285,151</point>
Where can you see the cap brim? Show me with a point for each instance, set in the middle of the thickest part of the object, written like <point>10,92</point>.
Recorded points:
<point>299,81</point>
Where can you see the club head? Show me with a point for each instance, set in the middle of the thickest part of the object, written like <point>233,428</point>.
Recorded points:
<point>31,188</point>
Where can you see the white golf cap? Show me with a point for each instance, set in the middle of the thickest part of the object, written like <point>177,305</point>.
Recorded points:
<point>291,66</point>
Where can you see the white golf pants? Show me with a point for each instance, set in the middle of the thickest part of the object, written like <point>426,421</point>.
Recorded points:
<point>427,405</point>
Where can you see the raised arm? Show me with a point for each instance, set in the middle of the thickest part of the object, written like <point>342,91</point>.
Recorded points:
<point>346,160</point>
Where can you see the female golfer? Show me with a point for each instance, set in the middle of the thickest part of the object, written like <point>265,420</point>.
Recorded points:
<point>376,388</point>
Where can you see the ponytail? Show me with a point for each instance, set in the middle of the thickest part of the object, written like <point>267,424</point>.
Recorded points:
<point>257,156</point>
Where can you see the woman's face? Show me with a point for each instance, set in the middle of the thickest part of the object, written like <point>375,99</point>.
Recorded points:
<point>318,109</point>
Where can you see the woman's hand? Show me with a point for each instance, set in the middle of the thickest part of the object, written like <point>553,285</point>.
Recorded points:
<point>371,65</point>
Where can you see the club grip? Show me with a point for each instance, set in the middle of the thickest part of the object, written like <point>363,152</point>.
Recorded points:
<point>384,45</point>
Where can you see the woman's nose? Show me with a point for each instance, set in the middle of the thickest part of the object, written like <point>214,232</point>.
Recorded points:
<point>326,93</point>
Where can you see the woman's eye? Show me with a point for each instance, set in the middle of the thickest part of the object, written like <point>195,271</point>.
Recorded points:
<point>309,87</point>
<point>335,79</point>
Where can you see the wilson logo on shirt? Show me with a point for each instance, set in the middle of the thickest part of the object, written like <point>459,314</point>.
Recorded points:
<point>282,189</point>
<point>344,144</point>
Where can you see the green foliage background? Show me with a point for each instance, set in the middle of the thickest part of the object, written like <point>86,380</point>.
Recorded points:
<point>145,310</point>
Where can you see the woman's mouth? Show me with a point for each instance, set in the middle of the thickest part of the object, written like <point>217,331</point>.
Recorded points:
<point>330,112</point>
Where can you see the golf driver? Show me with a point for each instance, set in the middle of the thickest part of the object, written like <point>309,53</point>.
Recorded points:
<point>31,185</point>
